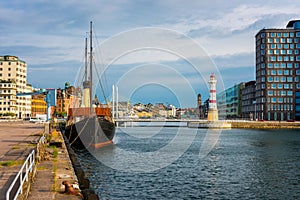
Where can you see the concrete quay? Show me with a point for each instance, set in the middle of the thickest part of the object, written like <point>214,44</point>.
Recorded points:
<point>244,124</point>
<point>17,139</point>
<point>53,163</point>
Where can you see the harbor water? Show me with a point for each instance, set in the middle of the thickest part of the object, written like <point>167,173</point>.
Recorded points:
<point>241,164</point>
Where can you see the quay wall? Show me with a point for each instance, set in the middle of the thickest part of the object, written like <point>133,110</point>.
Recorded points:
<point>84,182</point>
<point>265,124</point>
<point>221,124</point>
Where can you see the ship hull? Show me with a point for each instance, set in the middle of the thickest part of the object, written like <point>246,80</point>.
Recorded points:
<point>90,133</point>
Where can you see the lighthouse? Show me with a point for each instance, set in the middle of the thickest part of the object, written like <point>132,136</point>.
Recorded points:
<point>212,108</point>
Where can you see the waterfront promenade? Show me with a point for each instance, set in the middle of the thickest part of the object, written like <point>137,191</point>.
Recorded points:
<point>17,140</point>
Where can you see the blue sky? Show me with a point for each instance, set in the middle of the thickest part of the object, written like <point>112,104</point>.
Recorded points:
<point>49,36</point>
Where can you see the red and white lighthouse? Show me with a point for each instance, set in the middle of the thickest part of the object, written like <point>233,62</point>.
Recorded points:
<point>212,108</point>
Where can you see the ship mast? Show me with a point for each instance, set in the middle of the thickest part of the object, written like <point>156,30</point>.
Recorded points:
<point>91,69</point>
<point>86,84</point>
<point>86,61</point>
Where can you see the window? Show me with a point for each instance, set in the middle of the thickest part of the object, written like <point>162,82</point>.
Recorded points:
<point>270,65</point>
<point>273,46</point>
<point>282,40</point>
<point>273,58</point>
<point>290,65</point>
<point>291,58</point>
<point>297,34</point>
<point>297,58</point>
<point>273,86</point>
<point>296,40</point>
<point>272,34</point>
<point>296,79</point>
<point>291,46</point>
<point>289,40</point>
<point>270,79</point>
<point>278,34</point>
<point>276,65</point>
<point>291,34</point>
<point>298,46</point>
<point>276,40</point>
<point>270,92</point>
<point>289,79</point>
<point>289,51</point>
<point>283,93</point>
<point>273,100</point>
<point>276,79</point>
<point>286,86</point>
<point>282,79</point>
<point>286,72</point>
<point>273,72</point>
<point>282,51</point>
<point>279,100</point>
<point>270,51</point>
<point>276,52</point>
<point>279,46</point>
<point>283,65</point>
<point>286,58</point>
<point>290,93</point>
<point>285,34</point>
<point>279,86</point>
<point>286,46</point>
<point>298,72</point>
<point>279,72</point>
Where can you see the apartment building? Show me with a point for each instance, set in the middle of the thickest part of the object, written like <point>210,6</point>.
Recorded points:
<point>277,72</point>
<point>249,101</point>
<point>13,80</point>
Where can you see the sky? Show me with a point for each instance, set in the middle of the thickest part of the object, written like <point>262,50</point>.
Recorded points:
<point>155,51</point>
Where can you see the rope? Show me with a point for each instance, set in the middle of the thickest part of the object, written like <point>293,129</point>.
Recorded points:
<point>80,132</point>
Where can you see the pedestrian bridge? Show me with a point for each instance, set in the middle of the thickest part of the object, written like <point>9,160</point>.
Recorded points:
<point>128,122</point>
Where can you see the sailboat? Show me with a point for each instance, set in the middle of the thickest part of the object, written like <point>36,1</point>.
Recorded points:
<point>88,126</point>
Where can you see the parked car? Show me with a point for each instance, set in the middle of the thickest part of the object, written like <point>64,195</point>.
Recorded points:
<point>37,120</point>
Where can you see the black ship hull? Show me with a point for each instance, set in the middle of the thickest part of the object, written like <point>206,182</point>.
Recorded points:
<point>90,133</point>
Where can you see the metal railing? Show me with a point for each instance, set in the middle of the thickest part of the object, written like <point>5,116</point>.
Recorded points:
<point>22,176</point>
<point>26,168</point>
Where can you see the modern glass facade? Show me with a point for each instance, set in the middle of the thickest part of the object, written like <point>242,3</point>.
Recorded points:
<point>277,73</point>
<point>230,102</point>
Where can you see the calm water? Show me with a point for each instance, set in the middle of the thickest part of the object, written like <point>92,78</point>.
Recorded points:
<point>244,164</point>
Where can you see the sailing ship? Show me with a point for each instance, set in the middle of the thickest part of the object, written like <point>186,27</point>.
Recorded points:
<point>89,127</point>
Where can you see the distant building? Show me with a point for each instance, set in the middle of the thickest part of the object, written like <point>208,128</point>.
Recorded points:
<point>249,101</point>
<point>38,105</point>
<point>230,102</point>
<point>66,98</point>
<point>200,107</point>
<point>277,72</point>
<point>13,80</point>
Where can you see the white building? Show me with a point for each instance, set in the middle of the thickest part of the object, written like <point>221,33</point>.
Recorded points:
<point>13,80</point>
